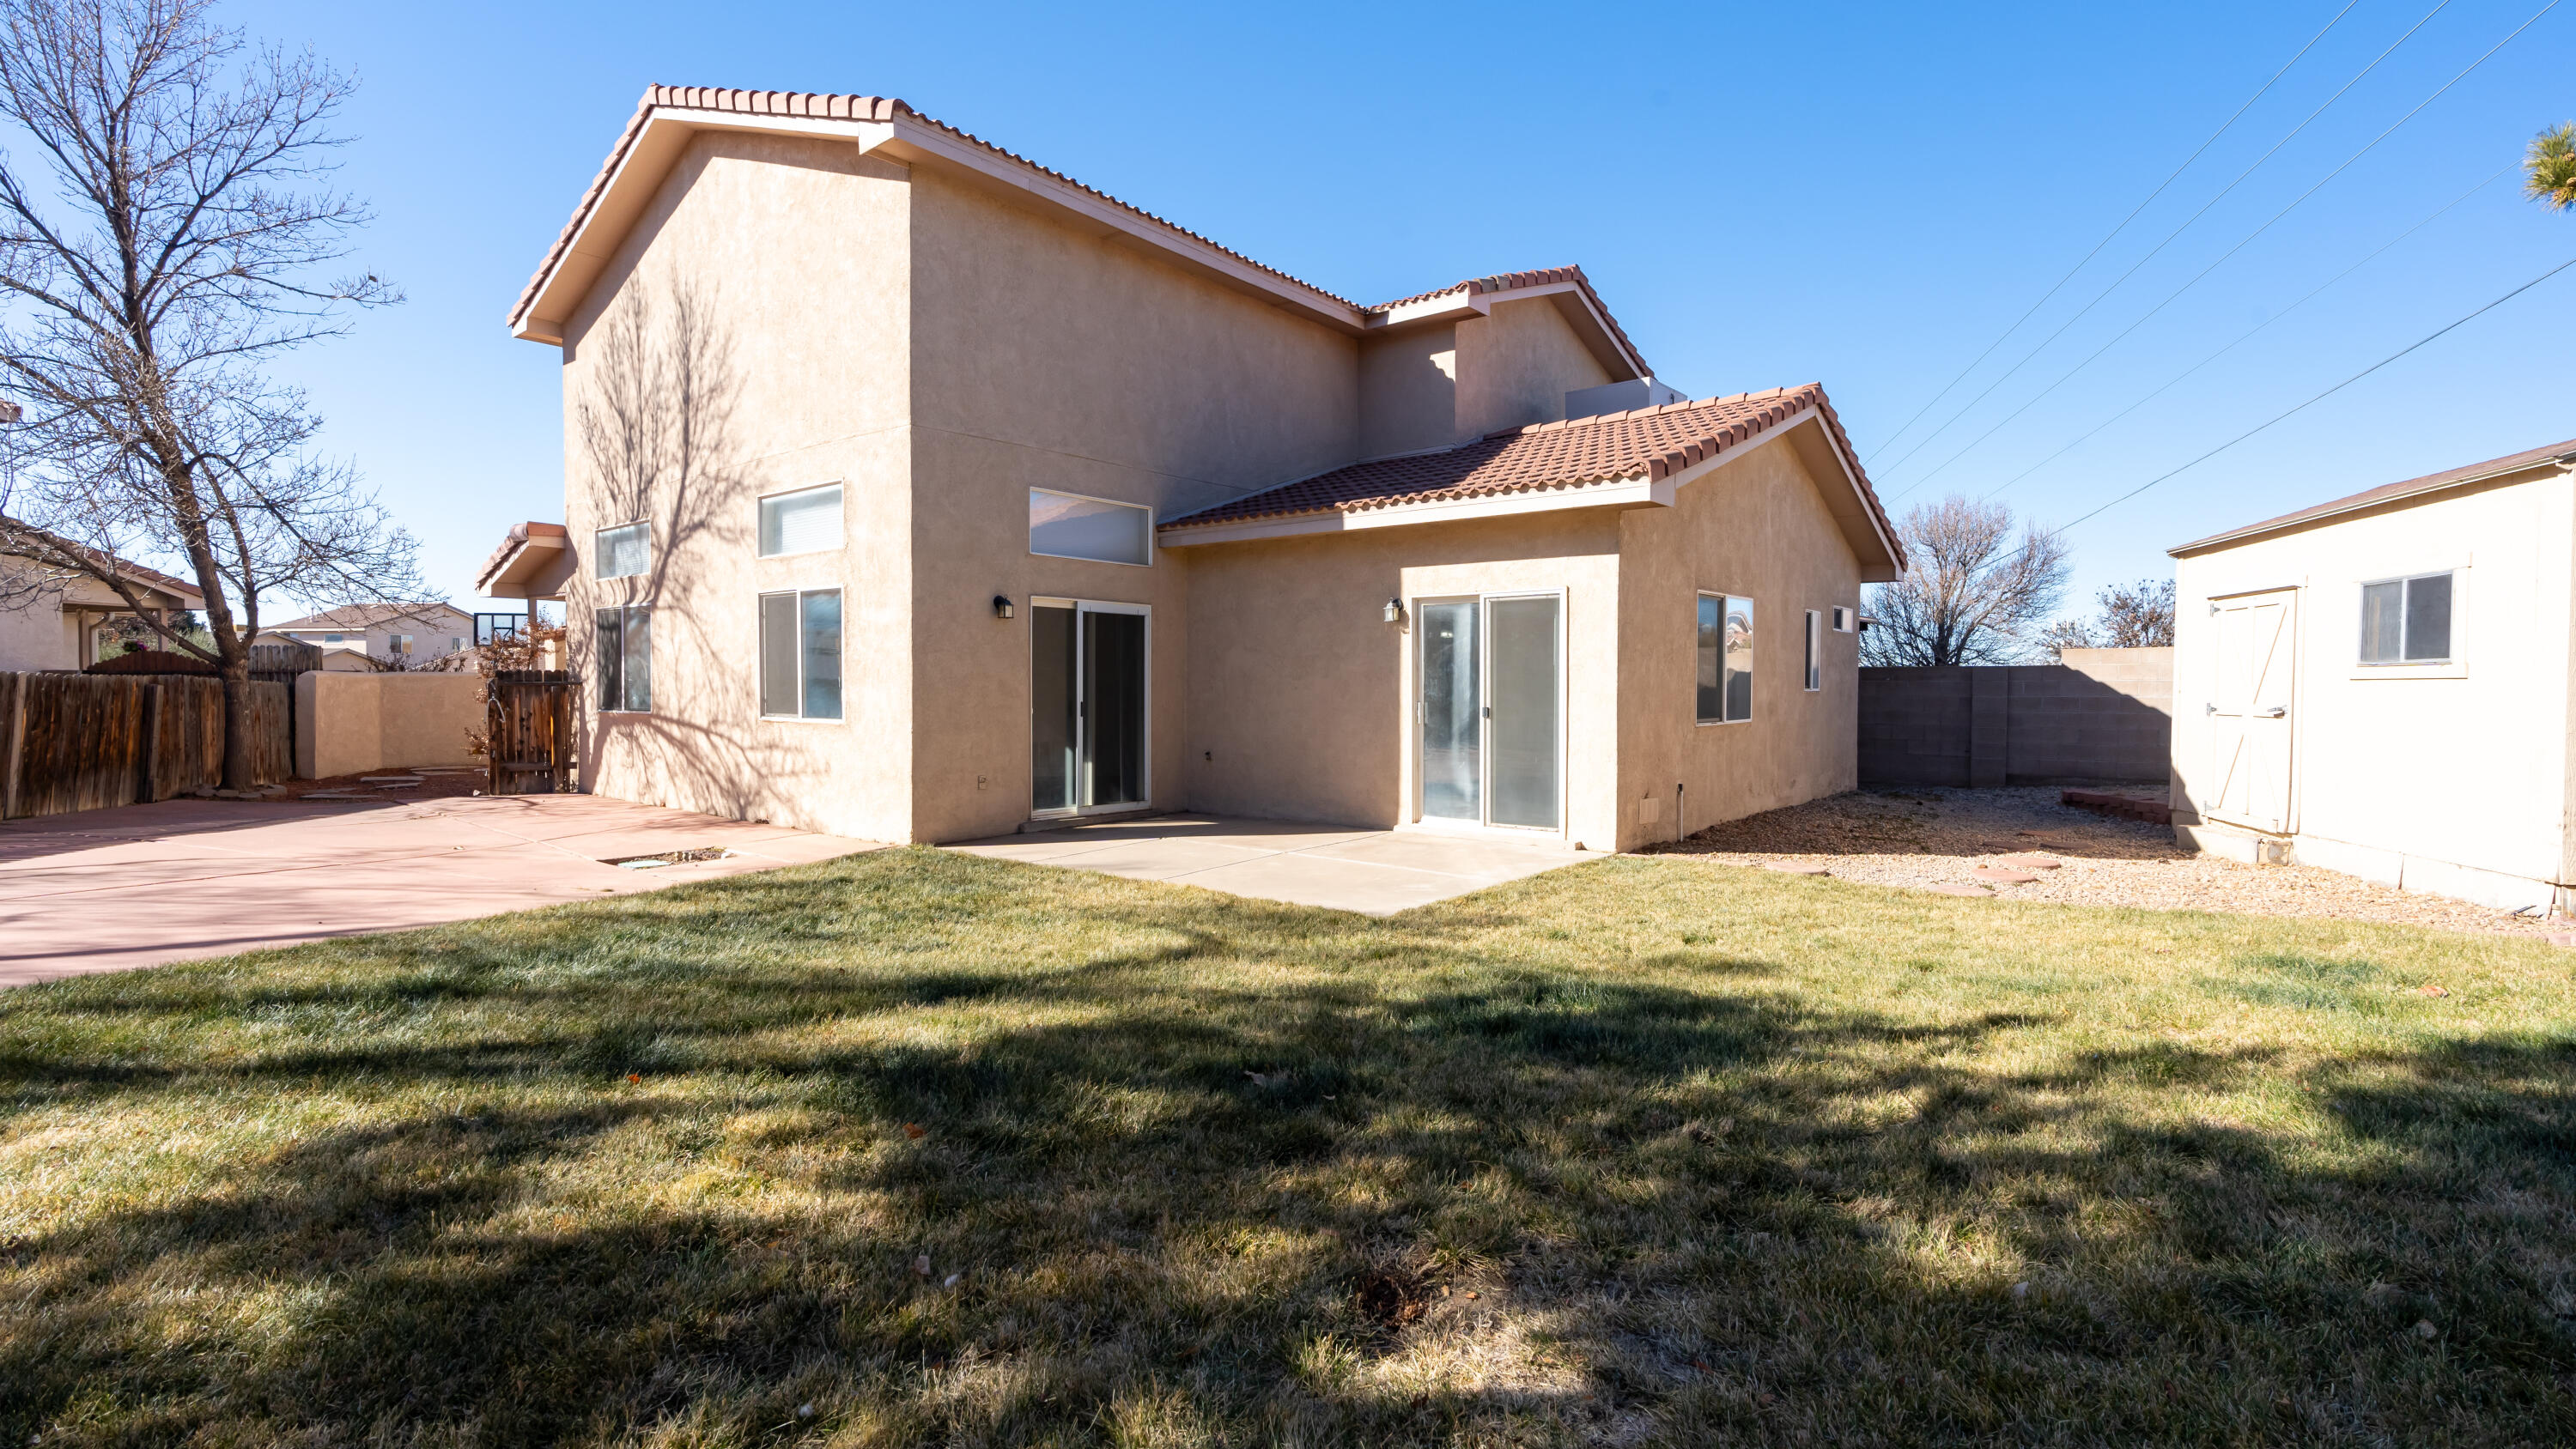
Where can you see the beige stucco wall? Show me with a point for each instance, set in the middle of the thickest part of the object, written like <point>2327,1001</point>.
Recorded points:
<point>1050,358</point>
<point>2454,779</point>
<point>1301,695</point>
<point>35,633</point>
<point>1515,366</point>
<point>1757,528</point>
<point>355,724</point>
<point>751,337</point>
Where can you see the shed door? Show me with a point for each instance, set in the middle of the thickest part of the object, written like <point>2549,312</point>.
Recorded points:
<point>2249,709</point>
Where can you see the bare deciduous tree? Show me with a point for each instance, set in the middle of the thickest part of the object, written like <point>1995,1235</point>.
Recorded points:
<point>1970,595</point>
<point>2128,616</point>
<point>164,225</point>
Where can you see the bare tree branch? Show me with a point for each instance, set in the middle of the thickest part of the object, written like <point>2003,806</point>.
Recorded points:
<point>171,238</point>
<point>1970,595</point>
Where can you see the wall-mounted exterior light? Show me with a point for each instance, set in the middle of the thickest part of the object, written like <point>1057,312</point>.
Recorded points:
<point>1395,611</point>
<point>1001,606</point>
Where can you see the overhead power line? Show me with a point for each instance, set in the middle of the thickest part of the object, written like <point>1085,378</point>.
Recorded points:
<point>2427,339</point>
<point>2248,334</point>
<point>2242,243</point>
<point>2158,249</point>
<point>2115,231</point>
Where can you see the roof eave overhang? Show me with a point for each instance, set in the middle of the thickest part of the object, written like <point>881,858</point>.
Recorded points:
<point>666,130</point>
<point>535,566</point>
<point>2563,464</point>
<point>1582,313</point>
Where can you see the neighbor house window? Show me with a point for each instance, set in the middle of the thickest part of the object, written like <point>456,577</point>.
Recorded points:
<point>455,644</point>
<point>331,639</point>
<point>805,521</point>
<point>623,552</point>
<point>1725,659</point>
<point>397,643</point>
<point>1815,650</point>
<point>1844,619</point>
<point>2407,621</point>
<point>1062,525</point>
<point>800,655</point>
<point>626,658</point>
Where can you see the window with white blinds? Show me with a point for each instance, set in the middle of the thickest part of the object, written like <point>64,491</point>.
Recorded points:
<point>622,553</point>
<point>805,521</point>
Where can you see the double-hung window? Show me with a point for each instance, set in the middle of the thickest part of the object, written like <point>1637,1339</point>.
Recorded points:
<point>805,521</point>
<point>623,552</point>
<point>1815,650</point>
<point>625,658</point>
<point>2407,621</point>
<point>800,654</point>
<point>1725,659</point>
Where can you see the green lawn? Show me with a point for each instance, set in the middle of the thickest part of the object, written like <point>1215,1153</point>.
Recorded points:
<point>1647,1150</point>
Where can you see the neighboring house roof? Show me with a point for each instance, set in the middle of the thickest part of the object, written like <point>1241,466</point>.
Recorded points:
<point>189,594</point>
<point>366,616</point>
<point>638,162</point>
<point>2562,455</point>
<point>1649,446</point>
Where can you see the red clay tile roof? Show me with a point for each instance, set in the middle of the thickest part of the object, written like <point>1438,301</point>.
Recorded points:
<point>1513,281</point>
<point>2390,493</point>
<point>511,542</point>
<point>887,108</point>
<point>1651,443</point>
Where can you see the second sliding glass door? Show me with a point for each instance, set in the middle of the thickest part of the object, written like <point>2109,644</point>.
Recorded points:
<point>1087,693</point>
<point>1491,709</point>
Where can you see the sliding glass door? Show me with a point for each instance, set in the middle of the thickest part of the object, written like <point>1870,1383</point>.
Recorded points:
<point>1088,694</point>
<point>1491,709</point>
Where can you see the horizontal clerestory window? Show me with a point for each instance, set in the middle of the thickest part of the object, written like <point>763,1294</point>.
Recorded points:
<point>1067,525</point>
<point>622,552</point>
<point>2407,621</point>
<point>805,521</point>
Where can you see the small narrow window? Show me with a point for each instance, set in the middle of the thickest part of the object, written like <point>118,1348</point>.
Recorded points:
<point>1062,525</point>
<point>625,657</point>
<point>1815,650</point>
<point>1725,659</point>
<point>800,655</point>
<point>622,553</point>
<point>806,521</point>
<point>2407,621</point>
<point>1843,619</point>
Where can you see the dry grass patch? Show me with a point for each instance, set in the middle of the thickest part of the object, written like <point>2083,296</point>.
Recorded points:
<point>919,1148</point>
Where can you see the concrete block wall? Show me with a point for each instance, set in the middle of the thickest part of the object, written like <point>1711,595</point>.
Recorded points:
<point>2103,714</point>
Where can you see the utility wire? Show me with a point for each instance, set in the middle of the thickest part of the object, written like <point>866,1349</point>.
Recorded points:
<point>2114,232</point>
<point>2170,237</point>
<point>2242,338</point>
<point>2312,402</point>
<point>2247,240</point>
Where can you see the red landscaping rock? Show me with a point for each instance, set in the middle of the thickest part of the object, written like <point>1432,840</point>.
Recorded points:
<point>2029,862</point>
<point>2001,876</point>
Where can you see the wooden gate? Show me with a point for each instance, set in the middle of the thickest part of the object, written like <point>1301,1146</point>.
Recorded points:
<point>528,730</point>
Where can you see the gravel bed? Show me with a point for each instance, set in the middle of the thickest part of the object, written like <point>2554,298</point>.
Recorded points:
<point>1929,839</point>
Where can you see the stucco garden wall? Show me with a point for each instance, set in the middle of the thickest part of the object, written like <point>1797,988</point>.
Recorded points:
<point>2103,714</point>
<point>2451,779</point>
<point>357,724</point>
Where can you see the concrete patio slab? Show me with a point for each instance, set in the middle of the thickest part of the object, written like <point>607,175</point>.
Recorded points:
<point>106,890</point>
<point>1373,872</point>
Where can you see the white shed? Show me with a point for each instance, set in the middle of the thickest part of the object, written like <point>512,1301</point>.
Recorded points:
<point>2379,685</point>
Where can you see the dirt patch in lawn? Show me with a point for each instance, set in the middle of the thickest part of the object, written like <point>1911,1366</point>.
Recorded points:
<point>1958,841</point>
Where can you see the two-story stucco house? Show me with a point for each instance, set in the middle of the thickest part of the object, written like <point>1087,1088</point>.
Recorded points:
<point>914,491</point>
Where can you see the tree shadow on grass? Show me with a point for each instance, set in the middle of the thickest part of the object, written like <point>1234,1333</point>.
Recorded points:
<point>1161,1145</point>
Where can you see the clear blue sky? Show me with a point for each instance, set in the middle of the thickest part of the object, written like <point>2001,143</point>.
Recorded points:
<point>1862,195</point>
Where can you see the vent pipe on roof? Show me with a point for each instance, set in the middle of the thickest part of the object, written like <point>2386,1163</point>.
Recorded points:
<point>1618,397</point>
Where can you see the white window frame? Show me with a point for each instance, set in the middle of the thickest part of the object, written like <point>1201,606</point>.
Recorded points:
<point>1029,646</point>
<point>1484,823</point>
<point>1815,651</point>
<point>1721,597</point>
<point>840,536</point>
<point>1151,522</point>
<point>598,663</point>
<point>1846,619</point>
<point>2452,665</point>
<point>760,664</point>
<point>598,550</point>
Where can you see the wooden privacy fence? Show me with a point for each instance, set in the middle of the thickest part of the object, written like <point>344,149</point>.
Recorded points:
<point>528,730</point>
<point>88,741</point>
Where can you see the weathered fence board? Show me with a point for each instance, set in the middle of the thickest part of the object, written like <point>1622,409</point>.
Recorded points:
<point>90,741</point>
<point>528,730</point>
